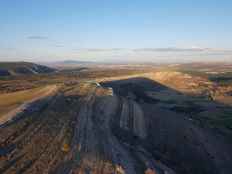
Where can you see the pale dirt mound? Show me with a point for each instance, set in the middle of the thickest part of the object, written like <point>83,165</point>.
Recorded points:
<point>179,81</point>
<point>193,85</point>
<point>183,82</point>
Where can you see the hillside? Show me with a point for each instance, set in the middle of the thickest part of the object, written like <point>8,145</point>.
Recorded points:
<point>23,68</point>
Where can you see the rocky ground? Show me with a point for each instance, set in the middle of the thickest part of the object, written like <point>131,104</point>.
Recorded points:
<point>130,126</point>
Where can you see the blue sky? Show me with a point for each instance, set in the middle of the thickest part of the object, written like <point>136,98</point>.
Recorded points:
<point>49,30</point>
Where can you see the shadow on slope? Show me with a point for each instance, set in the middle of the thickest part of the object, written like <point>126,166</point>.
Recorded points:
<point>175,135</point>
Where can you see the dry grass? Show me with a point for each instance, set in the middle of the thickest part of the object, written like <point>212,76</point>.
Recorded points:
<point>12,100</point>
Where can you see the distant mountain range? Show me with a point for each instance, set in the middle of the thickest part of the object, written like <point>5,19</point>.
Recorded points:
<point>67,63</point>
<point>77,63</point>
<point>23,68</point>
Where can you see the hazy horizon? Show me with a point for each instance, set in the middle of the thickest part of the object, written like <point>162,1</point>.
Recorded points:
<point>143,55</point>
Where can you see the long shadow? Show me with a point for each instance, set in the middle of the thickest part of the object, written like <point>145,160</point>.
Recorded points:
<point>136,89</point>
<point>175,135</point>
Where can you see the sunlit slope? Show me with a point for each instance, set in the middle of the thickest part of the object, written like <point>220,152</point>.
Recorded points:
<point>12,103</point>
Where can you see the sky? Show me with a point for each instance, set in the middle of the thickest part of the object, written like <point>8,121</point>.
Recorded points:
<point>116,30</point>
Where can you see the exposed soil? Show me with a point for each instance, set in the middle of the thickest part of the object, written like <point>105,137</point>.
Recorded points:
<point>87,128</point>
<point>173,136</point>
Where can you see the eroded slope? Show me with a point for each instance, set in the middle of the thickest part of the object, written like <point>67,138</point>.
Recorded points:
<point>123,127</point>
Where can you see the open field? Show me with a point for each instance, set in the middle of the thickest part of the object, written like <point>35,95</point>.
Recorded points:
<point>13,103</point>
<point>160,120</point>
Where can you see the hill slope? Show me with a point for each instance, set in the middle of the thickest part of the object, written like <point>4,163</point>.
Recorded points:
<point>20,68</point>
